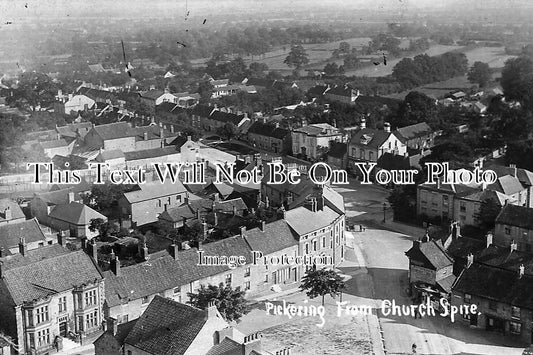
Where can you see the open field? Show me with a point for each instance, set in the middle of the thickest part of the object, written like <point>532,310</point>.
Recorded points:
<point>495,57</point>
<point>438,89</point>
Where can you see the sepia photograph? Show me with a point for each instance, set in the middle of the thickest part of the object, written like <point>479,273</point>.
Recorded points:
<point>266,177</point>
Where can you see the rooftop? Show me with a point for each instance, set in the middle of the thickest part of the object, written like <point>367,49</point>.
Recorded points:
<point>516,216</point>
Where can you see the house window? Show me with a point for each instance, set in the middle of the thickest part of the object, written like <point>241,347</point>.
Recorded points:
<point>228,279</point>
<point>508,230</point>
<point>90,298</point>
<point>43,337</point>
<point>41,315</point>
<point>468,298</point>
<point>315,245</point>
<point>445,200</point>
<point>177,290</point>
<point>515,312</point>
<point>362,154</point>
<point>370,155</point>
<point>247,285</point>
<point>323,242</point>
<point>307,248</point>
<point>247,272</point>
<point>515,327</point>
<point>92,319</point>
<point>462,206</point>
<point>145,300</point>
<point>62,304</point>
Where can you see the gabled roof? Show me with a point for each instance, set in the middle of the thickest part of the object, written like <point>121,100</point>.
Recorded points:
<point>302,220</point>
<point>525,176</point>
<point>75,213</point>
<point>202,110</point>
<point>369,137</point>
<point>516,216</point>
<point>54,144</point>
<point>507,184</point>
<point>155,190</point>
<point>16,211</point>
<point>496,284</point>
<point>58,197</point>
<point>415,130</point>
<point>226,117</point>
<point>162,272</point>
<point>276,236</point>
<point>167,327</point>
<point>96,94</point>
<point>11,233</point>
<point>152,94</point>
<point>341,90</point>
<point>189,210</point>
<point>113,130</point>
<point>149,153</point>
<point>48,276</point>
<point>431,252</point>
<point>318,129</point>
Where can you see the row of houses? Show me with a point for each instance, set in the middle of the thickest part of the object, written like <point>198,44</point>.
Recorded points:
<point>494,273</point>
<point>49,292</point>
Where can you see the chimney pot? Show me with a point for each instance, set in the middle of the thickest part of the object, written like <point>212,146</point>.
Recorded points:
<point>243,231</point>
<point>23,247</point>
<point>514,246</point>
<point>521,270</point>
<point>469,260</point>
<point>489,239</point>
<point>263,223</point>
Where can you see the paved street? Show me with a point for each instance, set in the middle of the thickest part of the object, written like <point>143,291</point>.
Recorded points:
<point>385,277</point>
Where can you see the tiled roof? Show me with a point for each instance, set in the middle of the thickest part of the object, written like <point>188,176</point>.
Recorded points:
<point>75,213</point>
<point>110,154</point>
<point>268,130</point>
<point>58,197</point>
<point>16,211</point>
<point>167,327</point>
<point>432,252</point>
<point>82,186</point>
<point>152,94</point>
<point>11,233</point>
<point>96,94</point>
<point>507,184</point>
<point>415,130</point>
<point>114,130</point>
<point>155,190</point>
<point>302,220</point>
<point>54,144</point>
<point>176,214</point>
<point>153,132</point>
<point>503,258</point>
<point>162,272</point>
<point>496,284</point>
<point>516,216</point>
<point>49,276</point>
<point>226,347</point>
<point>226,117</point>
<point>525,176</point>
<point>276,236</point>
<point>222,188</point>
<point>461,247</point>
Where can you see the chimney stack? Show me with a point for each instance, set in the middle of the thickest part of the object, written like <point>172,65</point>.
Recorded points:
<point>144,252</point>
<point>252,342</point>
<point>93,250</point>
<point>8,214</point>
<point>362,125</point>
<point>112,325</point>
<point>215,216</point>
<point>521,270</point>
<point>161,133</point>
<point>386,127</point>
<point>23,247</point>
<point>145,136</point>
<point>204,230</point>
<point>489,239</point>
<point>469,260</point>
<point>263,224</point>
<point>114,263</point>
<point>173,250</point>
<point>171,128</point>
<point>243,231</point>
<point>514,170</point>
<point>514,246</point>
<point>70,197</point>
<point>198,214</point>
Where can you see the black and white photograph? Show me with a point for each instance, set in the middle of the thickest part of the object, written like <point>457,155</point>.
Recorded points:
<point>266,177</point>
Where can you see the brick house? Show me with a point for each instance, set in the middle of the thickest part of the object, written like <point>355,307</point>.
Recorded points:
<point>342,93</point>
<point>74,217</point>
<point>111,136</point>
<point>26,235</point>
<point>46,293</point>
<point>311,140</point>
<point>515,224</point>
<point>10,212</point>
<point>418,136</point>
<point>144,204</point>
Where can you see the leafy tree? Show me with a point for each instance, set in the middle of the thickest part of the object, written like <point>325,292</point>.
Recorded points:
<point>331,68</point>
<point>415,108</point>
<point>517,80</point>
<point>480,74</point>
<point>228,131</point>
<point>351,61</point>
<point>297,57</point>
<point>520,153</point>
<point>104,196</point>
<point>403,202</point>
<point>205,89</point>
<point>229,302</point>
<point>104,228</point>
<point>488,211</point>
<point>258,70</point>
<point>322,282</point>
<point>344,47</point>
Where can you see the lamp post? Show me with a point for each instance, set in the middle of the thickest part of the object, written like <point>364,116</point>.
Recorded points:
<point>384,210</point>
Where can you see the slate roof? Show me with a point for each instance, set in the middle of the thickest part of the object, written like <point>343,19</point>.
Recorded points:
<point>516,216</point>
<point>268,130</point>
<point>16,211</point>
<point>58,197</point>
<point>503,258</point>
<point>75,213</point>
<point>525,176</point>
<point>461,247</point>
<point>76,188</point>
<point>71,129</point>
<point>276,236</point>
<point>162,272</point>
<point>166,327</point>
<point>11,233</point>
<point>110,154</point>
<point>176,214</point>
<point>152,94</point>
<point>226,117</point>
<point>48,276</point>
<point>149,153</point>
<point>496,284</point>
<point>303,221</point>
<point>114,130</point>
<point>155,190</point>
<point>431,252</point>
<point>202,110</point>
<point>376,137</point>
<point>227,347</point>
<point>415,130</point>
